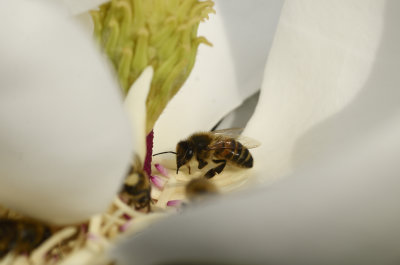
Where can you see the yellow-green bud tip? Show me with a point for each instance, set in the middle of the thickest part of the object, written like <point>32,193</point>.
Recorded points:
<point>163,34</point>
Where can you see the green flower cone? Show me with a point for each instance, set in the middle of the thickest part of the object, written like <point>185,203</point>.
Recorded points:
<point>160,33</point>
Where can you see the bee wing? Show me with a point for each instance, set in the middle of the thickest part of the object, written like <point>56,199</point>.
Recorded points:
<point>248,142</point>
<point>231,132</point>
<point>234,133</point>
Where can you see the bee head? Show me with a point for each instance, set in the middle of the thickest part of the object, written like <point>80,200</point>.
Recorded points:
<point>184,152</point>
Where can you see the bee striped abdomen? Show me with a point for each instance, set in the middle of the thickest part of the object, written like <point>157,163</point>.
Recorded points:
<point>21,236</point>
<point>235,152</point>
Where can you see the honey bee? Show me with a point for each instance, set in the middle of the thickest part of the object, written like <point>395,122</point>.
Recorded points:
<point>199,187</point>
<point>137,187</point>
<point>220,146</point>
<point>21,236</point>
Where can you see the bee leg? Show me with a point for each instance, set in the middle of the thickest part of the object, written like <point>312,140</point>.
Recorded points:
<point>202,163</point>
<point>218,169</point>
<point>149,200</point>
<point>201,157</point>
<point>221,167</point>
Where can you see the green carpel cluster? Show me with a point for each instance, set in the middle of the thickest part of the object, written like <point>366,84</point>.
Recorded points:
<point>160,33</point>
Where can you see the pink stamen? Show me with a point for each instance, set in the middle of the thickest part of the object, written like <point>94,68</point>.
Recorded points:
<point>84,228</point>
<point>174,203</point>
<point>157,181</point>
<point>161,169</point>
<point>93,237</point>
<point>126,216</point>
<point>125,226</point>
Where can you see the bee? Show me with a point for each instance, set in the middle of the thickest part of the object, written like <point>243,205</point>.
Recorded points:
<point>21,236</point>
<point>199,187</point>
<point>137,187</point>
<point>220,146</point>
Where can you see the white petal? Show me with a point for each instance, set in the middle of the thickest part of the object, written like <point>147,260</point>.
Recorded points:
<point>81,6</point>
<point>322,59</point>
<point>135,104</point>
<point>65,140</point>
<point>225,74</point>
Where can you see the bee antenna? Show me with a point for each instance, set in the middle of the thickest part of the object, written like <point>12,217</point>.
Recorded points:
<point>166,152</point>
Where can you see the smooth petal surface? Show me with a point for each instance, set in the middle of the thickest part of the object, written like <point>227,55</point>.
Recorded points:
<point>135,105</point>
<point>225,74</point>
<point>65,140</point>
<point>321,61</point>
<point>80,6</point>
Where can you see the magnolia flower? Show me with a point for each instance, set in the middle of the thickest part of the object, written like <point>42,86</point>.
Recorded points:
<point>326,117</point>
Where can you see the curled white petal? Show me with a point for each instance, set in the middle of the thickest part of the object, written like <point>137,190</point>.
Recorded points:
<point>65,139</point>
<point>320,62</point>
<point>135,105</point>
